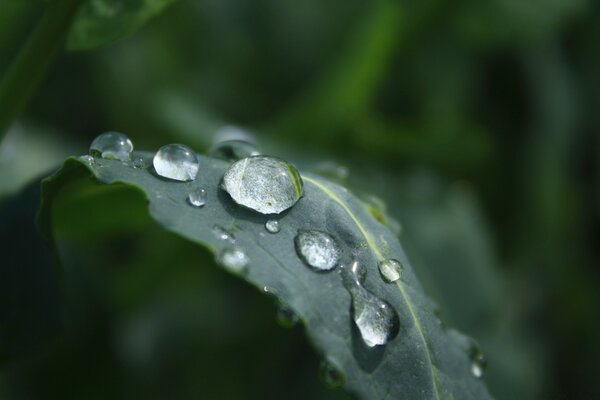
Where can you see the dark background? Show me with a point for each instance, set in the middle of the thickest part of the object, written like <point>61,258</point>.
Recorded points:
<point>476,121</point>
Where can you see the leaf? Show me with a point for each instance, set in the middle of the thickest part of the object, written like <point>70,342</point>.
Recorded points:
<point>423,361</point>
<point>101,21</point>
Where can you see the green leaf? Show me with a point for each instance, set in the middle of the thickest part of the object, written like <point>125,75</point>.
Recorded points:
<point>423,361</point>
<point>101,21</point>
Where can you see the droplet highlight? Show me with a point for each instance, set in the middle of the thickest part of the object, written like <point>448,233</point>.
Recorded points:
<point>268,185</point>
<point>478,361</point>
<point>197,197</point>
<point>234,258</point>
<point>317,249</point>
<point>223,234</point>
<point>177,162</point>
<point>112,146</point>
<point>233,150</point>
<point>272,226</point>
<point>376,319</point>
<point>390,270</point>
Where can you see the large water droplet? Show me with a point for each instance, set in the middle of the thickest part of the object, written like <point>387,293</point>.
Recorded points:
<point>223,234</point>
<point>376,319</point>
<point>233,150</point>
<point>234,258</point>
<point>197,197</point>
<point>112,145</point>
<point>390,270</point>
<point>318,250</point>
<point>177,162</point>
<point>272,226</point>
<point>331,376</point>
<point>265,184</point>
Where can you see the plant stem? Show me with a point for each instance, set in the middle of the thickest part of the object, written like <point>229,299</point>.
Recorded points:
<point>34,58</point>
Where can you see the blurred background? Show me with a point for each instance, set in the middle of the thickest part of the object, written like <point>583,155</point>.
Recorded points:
<point>474,121</point>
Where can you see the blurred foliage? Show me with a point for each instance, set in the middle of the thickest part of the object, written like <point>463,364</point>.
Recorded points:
<point>498,95</point>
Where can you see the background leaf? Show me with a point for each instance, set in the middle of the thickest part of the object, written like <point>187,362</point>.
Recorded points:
<point>423,361</point>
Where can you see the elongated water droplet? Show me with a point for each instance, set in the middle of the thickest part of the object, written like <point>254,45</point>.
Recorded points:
<point>272,226</point>
<point>223,234</point>
<point>330,375</point>
<point>390,270</point>
<point>268,185</point>
<point>233,150</point>
<point>376,319</point>
<point>113,146</point>
<point>197,197</point>
<point>177,162</point>
<point>317,249</point>
<point>233,258</point>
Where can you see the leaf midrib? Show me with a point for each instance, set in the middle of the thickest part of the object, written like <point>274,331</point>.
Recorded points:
<point>379,256</point>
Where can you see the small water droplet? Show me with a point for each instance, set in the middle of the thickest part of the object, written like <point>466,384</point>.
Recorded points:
<point>268,185</point>
<point>478,361</point>
<point>223,234</point>
<point>233,150</point>
<point>197,197</point>
<point>112,145</point>
<point>139,163</point>
<point>233,258</point>
<point>390,270</point>
<point>177,162</point>
<point>87,159</point>
<point>317,249</point>
<point>272,226</point>
<point>330,375</point>
<point>376,319</point>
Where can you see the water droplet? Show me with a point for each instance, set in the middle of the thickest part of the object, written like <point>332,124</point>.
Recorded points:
<point>139,163</point>
<point>318,250</point>
<point>223,234</point>
<point>177,162</point>
<point>197,197</point>
<point>233,258</point>
<point>376,319</point>
<point>87,159</point>
<point>390,270</point>
<point>330,375</point>
<point>265,184</point>
<point>272,226</point>
<point>232,132</point>
<point>233,150</point>
<point>478,361</point>
<point>112,145</point>
<point>286,316</point>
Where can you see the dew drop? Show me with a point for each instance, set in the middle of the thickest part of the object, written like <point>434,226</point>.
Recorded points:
<point>376,319</point>
<point>87,159</point>
<point>177,162</point>
<point>112,145</point>
<point>390,270</point>
<point>197,197</point>
<point>223,234</point>
<point>478,361</point>
<point>330,375</point>
<point>265,184</point>
<point>317,249</point>
<point>233,150</point>
<point>272,226</point>
<point>139,163</point>
<point>233,258</point>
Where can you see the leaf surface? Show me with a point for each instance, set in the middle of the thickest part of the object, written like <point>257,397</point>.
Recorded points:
<point>424,361</point>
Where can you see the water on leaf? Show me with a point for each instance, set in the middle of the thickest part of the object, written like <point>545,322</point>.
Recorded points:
<point>87,159</point>
<point>330,375</point>
<point>376,319</point>
<point>234,258</point>
<point>478,361</point>
<point>197,197</point>
<point>272,226</point>
<point>317,249</point>
<point>268,185</point>
<point>390,270</point>
<point>113,146</point>
<point>139,162</point>
<point>223,234</point>
<point>177,162</point>
<point>233,150</point>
